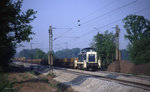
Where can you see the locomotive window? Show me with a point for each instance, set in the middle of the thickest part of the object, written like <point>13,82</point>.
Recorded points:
<point>91,58</point>
<point>79,57</point>
<point>84,56</point>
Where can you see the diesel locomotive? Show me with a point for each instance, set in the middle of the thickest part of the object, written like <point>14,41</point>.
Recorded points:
<point>87,58</point>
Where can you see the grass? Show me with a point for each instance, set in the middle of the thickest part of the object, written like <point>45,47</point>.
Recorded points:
<point>23,76</point>
<point>14,79</point>
<point>52,75</point>
<point>43,79</point>
<point>54,84</point>
<point>5,85</point>
<point>60,86</point>
<point>32,72</point>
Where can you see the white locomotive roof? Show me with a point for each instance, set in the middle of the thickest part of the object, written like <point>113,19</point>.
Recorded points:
<point>88,50</point>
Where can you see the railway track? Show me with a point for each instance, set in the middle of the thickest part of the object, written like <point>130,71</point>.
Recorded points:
<point>127,75</point>
<point>120,81</point>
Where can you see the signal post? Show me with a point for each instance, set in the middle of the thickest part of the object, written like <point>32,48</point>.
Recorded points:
<point>50,54</point>
<point>118,57</point>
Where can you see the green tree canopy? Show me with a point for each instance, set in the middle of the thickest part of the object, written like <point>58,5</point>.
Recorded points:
<point>105,47</point>
<point>125,55</point>
<point>67,53</point>
<point>33,54</point>
<point>14,28</point>
<point>136,27</point>
<point>138,33</point>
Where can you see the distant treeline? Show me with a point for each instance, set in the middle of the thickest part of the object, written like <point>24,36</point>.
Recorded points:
<point>39,54</point>
<point>60,54</point>
<point>32,54</point>
<point>67,53</point>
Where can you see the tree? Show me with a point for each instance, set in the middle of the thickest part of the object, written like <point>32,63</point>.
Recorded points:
<point>33,54</point>
<point>124,55</point>
<point>15,28</point>
<point>138,33</point>
<point>136,27</point>
<point>67,53</point>
<point>40,54</point>
<point>140,51</point>
<point>105,47</point>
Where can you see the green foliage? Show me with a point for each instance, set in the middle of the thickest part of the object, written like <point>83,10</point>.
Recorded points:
<point>138,33</point>
<point>4,83</point>
<point>53,75</point>
<point>15,28</point>
<point>136,27</point>
<point>125,55</point>
<point>33,72</point>
<point>140,51</point>
<point>33,54</point>
<point>67,53</point>
<point>44,79</point>
<point>105,47</point>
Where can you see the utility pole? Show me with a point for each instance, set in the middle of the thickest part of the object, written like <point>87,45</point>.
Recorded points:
<point>31,56</point>
<point>50,56</point>
<point>31,52</point>
<point>117,49</point>
<point>66,49</point>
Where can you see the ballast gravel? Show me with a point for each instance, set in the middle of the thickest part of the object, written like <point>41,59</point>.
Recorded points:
<point>82,83</point>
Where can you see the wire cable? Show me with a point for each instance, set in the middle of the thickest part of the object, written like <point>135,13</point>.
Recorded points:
<point>83,35</point>
<point>91,13</point>
<point>113,22</point>
<point>62,34</point>
<point>111,11</point>
<point>83,18</point>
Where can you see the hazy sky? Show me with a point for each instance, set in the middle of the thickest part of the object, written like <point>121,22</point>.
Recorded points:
<point>94,15</point>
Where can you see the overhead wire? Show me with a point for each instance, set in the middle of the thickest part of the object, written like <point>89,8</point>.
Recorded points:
<point>81,19</point>
<point>96,17</point>
<point>104,15</point>
<point>83,35</point>
<point>91,13</point>
<point>62,34</point>
<point>111,11</point>
<point>113,22</point>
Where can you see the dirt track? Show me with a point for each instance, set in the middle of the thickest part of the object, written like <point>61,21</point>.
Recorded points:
<point>24,81</point>
<point>128,67</point>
